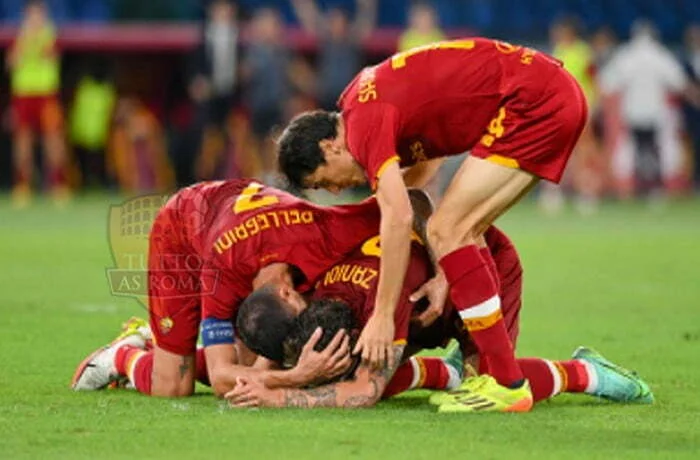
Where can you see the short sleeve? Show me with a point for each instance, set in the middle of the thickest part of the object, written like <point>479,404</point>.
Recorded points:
<point>370,134</point>
<point>221,292</point>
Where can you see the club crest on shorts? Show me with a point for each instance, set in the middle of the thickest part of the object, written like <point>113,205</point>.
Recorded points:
<point>129,227</point>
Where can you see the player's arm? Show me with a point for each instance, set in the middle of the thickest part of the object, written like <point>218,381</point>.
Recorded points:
<point>364,391</point>
<point>395,235</point>
<point>308,15</point>
<point>366,18</point>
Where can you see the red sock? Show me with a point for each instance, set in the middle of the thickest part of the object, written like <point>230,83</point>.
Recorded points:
<point>420,372</point>
<point>137,365</point>
<point>56,177</point>
<point>475,293</point>
<point>485,254</point>
<point>200,364</point>
<point>549,378</point>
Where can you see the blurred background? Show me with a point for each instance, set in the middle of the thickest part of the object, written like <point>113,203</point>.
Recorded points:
<point>141,96</point>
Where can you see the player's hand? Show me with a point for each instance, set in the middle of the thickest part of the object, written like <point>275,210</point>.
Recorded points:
<point>376,341</point>
<point>252,393</point>
<point>436,290</point>
<point>326,364</point>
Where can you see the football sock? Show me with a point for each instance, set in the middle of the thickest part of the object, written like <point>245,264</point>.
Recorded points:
<point>137,365</point>
<point>200,364</point>
<point>475,293</point>
<point>56,177</point>
<point>549,378</point>
<point>422,372</point>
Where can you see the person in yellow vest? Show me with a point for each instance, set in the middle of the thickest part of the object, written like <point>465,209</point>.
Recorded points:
<point>90,123</point>
<point>34,66</point>
<point>423,27</point>
<point>585,171</point>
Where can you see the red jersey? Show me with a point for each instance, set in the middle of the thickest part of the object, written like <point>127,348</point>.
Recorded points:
<point>438,100</point>
<point>235,228</point>
<point>354,281</point>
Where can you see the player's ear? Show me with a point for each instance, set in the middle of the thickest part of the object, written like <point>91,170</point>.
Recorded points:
<point>328,147</point>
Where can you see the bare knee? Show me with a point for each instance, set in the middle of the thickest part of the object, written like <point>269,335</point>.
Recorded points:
<point>446,235</point>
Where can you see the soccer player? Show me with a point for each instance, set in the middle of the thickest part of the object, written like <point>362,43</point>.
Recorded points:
<point>210,246</point>
<point>351,286</point>
<point>518,112</point>
<point>33,61</point>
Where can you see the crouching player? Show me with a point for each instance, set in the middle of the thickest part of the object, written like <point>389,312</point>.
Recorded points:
<point>218,241</point>
<point>344,301</point>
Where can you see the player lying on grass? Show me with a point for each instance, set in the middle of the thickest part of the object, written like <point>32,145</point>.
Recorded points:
<point>518,112</point>
<point>344,299</point>
<point>209,247</point>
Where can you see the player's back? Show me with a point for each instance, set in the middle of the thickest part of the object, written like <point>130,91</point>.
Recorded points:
<point>444,95</point>
<point>354,281</point>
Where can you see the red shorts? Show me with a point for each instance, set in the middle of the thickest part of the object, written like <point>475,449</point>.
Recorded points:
<point>536,130</point>
<point>173,283</point>
<point>38,113</point>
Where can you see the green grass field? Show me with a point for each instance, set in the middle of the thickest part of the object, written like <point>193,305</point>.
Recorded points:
<point>626,281</point>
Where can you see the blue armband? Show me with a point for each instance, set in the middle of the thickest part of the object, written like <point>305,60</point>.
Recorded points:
<point>217,332</point>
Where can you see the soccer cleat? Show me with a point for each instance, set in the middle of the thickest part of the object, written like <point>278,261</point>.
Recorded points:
<point>614,382</point>
<point>97,370</point>
<point>454,359</point>
<point>484,394</point>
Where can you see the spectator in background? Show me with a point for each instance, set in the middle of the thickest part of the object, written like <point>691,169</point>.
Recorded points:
<point>692,112</point>
<point>423,27</point>
<point>90,122</point>
<point>266,69</point>
<point>646,75</point>
<point>137,157</point>
<point>585,170</point>
<point>34,65</point>
<point>340,44</point>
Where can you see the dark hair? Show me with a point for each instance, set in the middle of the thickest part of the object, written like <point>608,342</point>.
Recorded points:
<point>263,322</point>
<point>299,154</point>
<point>329,314</point>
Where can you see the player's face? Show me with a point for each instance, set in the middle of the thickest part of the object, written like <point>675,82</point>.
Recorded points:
<point>340,171</point>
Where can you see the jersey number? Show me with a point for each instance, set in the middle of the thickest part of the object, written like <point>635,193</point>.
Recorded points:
<point>371,247</point>
<point>250,199</point>
<point>398,60</point>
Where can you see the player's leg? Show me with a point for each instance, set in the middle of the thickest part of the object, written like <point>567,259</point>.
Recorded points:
<point>480,192</point>
<point>22,154</point>
<point>426,372</point>
<point>54,147</point>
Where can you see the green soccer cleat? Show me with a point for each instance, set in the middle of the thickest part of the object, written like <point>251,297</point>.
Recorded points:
<point>615,383</point>
<point>454,359</point>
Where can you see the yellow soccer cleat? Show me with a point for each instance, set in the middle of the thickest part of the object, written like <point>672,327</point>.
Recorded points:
<point>484,394</point>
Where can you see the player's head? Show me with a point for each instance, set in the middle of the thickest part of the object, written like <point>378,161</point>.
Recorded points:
<point>565,30</point>
<point>265,318</point>
<point>338,22</point>
<point>313,153</point>
<point>328,314</point>
<point>35,13</point>
<point>644,29</point>
<point>222,11</point>
<point>422,17</point>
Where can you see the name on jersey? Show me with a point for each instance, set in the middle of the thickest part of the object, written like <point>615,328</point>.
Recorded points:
<point>350,273</point>
<point>260,223</point>
<point>367,87</point>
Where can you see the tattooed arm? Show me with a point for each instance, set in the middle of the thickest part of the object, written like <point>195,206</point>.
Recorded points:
<point>364,391</point>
